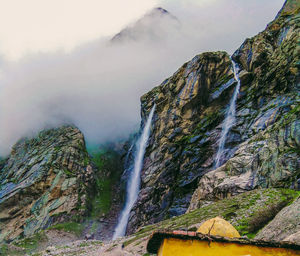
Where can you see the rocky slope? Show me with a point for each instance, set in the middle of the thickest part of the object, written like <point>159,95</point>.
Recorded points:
<point>247,212</point>
<point>263,145</point>
<point>52,181</point>
<point>45,180</point>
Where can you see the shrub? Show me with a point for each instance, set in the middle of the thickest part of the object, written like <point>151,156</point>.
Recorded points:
<point>73,227</point>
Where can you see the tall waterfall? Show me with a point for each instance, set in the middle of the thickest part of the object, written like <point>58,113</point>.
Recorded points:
<point>133,185</point>
<point>230,116</point>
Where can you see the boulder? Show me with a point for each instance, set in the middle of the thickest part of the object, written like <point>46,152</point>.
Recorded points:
<point>285,226</point>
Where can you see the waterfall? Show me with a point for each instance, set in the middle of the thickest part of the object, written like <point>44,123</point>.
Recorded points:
<point>133,185</point>
<point>230,116</point>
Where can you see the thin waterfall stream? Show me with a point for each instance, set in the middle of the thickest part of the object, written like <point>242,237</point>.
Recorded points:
<point>229,120</point>
<point>133,185</point>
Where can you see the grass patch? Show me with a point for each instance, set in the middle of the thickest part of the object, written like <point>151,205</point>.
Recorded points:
<point>102,201</point>
<point>4,249</point>
<point>109,171</point>
<point>27,245</point>
<point>73,227</point>
<point>239,210</point>
<point>84,244</point>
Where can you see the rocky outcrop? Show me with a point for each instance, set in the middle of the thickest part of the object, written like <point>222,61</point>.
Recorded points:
<point>285,226</point>
<point>269,159</point>
<point>183,137</point>
<point>44,181</point>
<point>263,145</point>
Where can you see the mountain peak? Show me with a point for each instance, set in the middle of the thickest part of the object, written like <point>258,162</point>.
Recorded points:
<point>159,10</point>
<point>148,25</point>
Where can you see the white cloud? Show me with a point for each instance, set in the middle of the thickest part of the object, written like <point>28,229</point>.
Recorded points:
<point>43,25</point>
<point>97,86</point>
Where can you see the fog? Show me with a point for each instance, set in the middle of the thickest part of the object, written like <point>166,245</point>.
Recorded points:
<point>97,86</point>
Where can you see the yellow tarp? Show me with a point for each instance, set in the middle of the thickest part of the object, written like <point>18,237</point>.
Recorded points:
<point>180,247</point>
<point>218,227</point>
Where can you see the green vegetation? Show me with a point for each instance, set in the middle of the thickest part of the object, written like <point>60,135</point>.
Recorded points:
<point>72,227</point>
<point>2,161</point>
<point>84,244</point>
<point>69,173</point>
<point>109,171</point>
<point>3,249</point>
<point>31,243</point>
<point>24,246</point>
<point>94,227</point>
<point>241,211</point>
<point>209,119</point>
<point>222,80</point>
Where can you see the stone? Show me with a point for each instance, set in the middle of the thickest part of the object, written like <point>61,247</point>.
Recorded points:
<point>195,138</point>
<point>285,226</point>
<point>245,77</point>
<point>256,164</point>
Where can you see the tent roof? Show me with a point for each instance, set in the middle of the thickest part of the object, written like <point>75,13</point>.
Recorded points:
<point>218,227</point>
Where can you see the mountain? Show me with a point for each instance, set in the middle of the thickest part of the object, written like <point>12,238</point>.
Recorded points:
<point>44,181</point>
<point>262,147</point>
<point>52,179</point>
<point>153,25</point>
<point>241,109</point>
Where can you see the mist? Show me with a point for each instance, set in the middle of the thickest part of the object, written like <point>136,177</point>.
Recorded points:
<point>97,86</point>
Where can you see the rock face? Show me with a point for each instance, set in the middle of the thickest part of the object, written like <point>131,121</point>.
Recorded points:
<point>106,198</point>
<point>263,145</point>
<point>285,226</point>
<point>45,180</point>
<point>184,135</point>
<point>270,157</point>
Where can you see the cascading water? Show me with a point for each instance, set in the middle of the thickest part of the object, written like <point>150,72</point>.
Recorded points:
<point>133,185</point>
<point>230,116</point>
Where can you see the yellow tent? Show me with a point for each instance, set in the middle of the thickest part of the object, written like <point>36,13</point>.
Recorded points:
<point>218,227</point>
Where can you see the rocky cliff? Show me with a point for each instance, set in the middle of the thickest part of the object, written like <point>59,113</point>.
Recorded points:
<point>261,149</point>
<point>52,181</point>
<point>44,181</point>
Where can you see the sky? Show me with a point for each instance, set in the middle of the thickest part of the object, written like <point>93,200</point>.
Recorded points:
<point>45,25</point>
<point>48,25</point>
<point>57,64</point>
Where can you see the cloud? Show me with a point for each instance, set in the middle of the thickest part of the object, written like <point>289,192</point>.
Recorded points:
<point>35,25</point>
<point>97,86</point>
<point>223,24</point>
